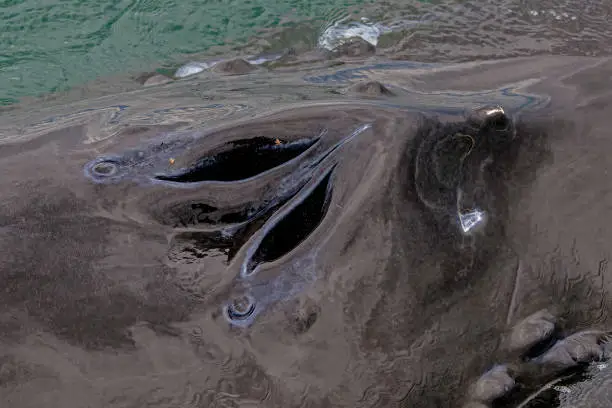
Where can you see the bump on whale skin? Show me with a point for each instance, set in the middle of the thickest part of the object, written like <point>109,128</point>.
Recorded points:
<point>371,88</point>
<point>353,47</point>
<point>236,66</point>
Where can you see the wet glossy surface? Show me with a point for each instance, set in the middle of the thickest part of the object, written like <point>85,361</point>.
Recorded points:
<point>291,239</point>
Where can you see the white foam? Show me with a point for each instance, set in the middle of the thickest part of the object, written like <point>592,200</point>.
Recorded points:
<point>338,32</point>
<point>333,36</point>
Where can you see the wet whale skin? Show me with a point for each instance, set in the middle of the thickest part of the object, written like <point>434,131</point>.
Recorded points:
<point>132,292</point>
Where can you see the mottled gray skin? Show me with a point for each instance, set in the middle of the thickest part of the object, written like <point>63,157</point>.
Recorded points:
<point>117,290</point>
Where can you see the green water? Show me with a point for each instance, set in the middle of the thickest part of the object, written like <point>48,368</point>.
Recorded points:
<point>52,45</point>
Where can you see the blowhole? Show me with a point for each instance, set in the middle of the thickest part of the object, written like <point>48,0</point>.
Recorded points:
<point>241,308</point>
<point>105,168</point>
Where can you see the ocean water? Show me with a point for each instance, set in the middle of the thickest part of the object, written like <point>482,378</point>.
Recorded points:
<point>48,46</point>
<point>54,45</point>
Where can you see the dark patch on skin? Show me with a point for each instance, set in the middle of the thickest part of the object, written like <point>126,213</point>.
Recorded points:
<point>133,130</point>
<point>202,208</point>
<point>57,282</point>
<point>192,214</point>
<point>45,274</point>
<point>241,159</point>
<point>164,329</point>
<point>426,240</point>
<point>304,317</point>
<point>192,246</point>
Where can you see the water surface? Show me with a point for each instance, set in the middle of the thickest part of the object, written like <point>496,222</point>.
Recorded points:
<point>53,46</point>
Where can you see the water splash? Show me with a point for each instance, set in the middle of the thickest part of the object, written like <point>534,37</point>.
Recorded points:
<point>340,31</point>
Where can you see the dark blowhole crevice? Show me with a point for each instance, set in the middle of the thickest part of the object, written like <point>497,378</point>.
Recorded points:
<point>295,226</point>
<point>241,159</point>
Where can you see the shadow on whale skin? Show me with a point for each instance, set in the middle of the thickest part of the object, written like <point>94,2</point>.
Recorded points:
<point>120,290</point>
<point>295,226</point>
